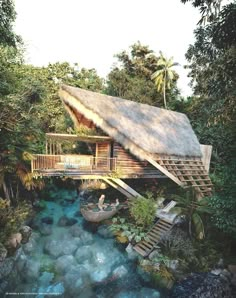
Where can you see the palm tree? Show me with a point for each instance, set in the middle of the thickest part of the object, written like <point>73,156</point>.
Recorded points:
<point>192,208</point>
<point>164,75</point>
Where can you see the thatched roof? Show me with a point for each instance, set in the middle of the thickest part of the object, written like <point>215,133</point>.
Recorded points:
<point>143,129</point>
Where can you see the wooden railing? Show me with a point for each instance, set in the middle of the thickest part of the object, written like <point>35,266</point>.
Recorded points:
<point>67,162</point>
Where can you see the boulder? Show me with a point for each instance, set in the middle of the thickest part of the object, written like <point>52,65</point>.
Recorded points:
<point>57,248</point>
<point>100,274</point>
<point>65,221</point>
<point>86,238</point>
<point>45,229</point>
<point>64,262</point>
<point>52,290</point>
<point>21,261</point>
<point>31,271</point>
<point>120,272</point>
<point>26,232</point>
<point>6,267</point>
<point>76,280</point>
<point>76,231</point>
<point>14,241</point>
<point>83,253</point>
<point>30,247</point>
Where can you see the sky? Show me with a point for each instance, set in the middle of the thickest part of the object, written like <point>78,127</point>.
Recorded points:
<point>91,32</point>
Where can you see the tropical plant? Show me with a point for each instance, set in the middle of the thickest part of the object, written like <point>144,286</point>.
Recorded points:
<point>143,211</point>
<point>177,244</point>
<point>192,208</point>
<point>126,231</point>
<point>164,75</point>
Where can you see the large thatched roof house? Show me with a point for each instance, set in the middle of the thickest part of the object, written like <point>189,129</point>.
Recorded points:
<point>137,141</point>
<point>162,138</point>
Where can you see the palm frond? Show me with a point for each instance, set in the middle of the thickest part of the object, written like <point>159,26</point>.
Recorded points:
<point>199,227</point>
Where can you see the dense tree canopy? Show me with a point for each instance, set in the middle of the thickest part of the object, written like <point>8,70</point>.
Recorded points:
<point>212,67</point>
<point>132,79</point>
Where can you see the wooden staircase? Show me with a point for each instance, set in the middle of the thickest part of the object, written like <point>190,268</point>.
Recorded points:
<point>154,235</point>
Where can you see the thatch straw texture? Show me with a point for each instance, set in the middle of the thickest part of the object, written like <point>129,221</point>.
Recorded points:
<point>143,129</point>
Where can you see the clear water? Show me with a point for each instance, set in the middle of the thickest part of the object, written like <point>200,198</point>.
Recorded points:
<point>76,261</point>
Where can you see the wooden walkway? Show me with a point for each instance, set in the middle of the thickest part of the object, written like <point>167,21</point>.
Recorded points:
<point>154,235</point>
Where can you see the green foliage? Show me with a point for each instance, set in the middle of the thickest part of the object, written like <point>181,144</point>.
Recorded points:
<point>143,211</point>
<point>7,17</point>
<point>176,244</point>
<point>132,79</point>
<point>192,208</point>
<point>11,219</point>
<point>131,232</point>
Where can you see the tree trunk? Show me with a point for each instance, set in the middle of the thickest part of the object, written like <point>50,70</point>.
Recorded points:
<point>164,91</point>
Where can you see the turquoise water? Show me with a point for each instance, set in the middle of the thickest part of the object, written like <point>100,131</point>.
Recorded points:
<point>69,257</point>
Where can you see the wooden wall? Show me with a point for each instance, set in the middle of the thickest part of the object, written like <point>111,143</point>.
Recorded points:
<point>127,164</point>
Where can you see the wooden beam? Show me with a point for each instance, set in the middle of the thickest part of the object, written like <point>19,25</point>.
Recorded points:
<point>125,186</point>
<point>120,189</point>
<point>164,171</point>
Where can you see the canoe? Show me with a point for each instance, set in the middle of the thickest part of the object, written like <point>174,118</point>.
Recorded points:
<point>97,216</point>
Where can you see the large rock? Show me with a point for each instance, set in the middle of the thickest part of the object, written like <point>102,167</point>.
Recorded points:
<point>6,267</point>
<point>77,281</point>
<point>76,231</point>
<point>63,263</point>
<point>31,271</point>
<point>30,247</point>
<point>45,229</point>
<point>57,248</point>
<point>86,238</point>
<point>100,274</point>
<point>26,232</point>
<point>120,272</point>
<point>21,262</point>
<point>83,253</point>
<point>203,285</point>
<point>65,221</point>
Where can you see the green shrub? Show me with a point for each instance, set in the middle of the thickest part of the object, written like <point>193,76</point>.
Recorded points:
<point>126,231</point>
<point>143,211</point>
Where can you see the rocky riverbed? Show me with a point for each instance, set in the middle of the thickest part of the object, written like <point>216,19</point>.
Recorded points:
<point>68,257</point>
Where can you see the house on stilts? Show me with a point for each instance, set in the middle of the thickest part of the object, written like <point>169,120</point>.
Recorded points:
<point>133,140</point>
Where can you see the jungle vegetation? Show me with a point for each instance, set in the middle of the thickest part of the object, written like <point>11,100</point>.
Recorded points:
<point>30,106</point>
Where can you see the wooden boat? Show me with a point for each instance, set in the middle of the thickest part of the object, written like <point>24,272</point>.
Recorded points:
<point>95,215</point>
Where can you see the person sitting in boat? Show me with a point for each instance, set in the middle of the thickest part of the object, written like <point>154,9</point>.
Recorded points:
<point>116,204</point>
<point>101,204</point>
